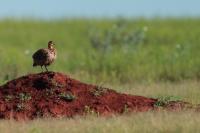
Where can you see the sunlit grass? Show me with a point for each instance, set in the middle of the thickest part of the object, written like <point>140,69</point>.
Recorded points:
<point>155,122</point>
<point>157,50</point>
<point>187,90</point>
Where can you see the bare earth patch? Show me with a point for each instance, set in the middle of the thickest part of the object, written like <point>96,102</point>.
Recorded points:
<point>53,94</point>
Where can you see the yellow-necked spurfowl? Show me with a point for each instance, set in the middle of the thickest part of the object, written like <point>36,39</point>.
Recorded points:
<point>45,57</point>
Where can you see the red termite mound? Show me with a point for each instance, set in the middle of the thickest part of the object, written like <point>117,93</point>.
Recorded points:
<point>53,94</point>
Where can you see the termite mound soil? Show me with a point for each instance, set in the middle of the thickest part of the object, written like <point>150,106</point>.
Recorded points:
<point>53,94</point>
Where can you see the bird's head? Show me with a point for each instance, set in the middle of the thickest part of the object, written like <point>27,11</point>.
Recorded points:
<point>51,45</point>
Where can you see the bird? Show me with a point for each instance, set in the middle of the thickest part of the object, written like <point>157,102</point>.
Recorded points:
<point>45,57</point>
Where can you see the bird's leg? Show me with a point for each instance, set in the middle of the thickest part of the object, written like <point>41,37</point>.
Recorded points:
<point>41,68</point>
<point>46,68</point>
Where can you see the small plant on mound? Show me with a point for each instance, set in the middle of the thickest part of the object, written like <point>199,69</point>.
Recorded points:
<point>126,109</point>
<point>98,91</point>
<point>24,96</point>
<point>164,101</point>
<point>20,107</point>
<point>49,92</point>
<point>89,111</point>
<point>8,98</point>
<point>67,96</point>
<point>55,84</point>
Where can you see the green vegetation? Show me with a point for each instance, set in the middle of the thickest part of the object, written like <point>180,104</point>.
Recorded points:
<point>99,91</point>
<point>90,112</point>
<point>153,58</point>
<point>115,51</point>
<point>24,97</point>
<point>55,84</point>
<point>67,96</point>
<point>20,107</point>
<point>163,101</point>
<point>8,98</point>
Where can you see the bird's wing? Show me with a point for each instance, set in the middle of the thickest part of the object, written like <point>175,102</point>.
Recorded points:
<point>41,54</point>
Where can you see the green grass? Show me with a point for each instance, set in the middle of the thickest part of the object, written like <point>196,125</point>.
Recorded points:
<point>156,58</point>
<point>159,50</point>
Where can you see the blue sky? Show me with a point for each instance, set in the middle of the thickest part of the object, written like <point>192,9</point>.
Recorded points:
<point>98,8</point>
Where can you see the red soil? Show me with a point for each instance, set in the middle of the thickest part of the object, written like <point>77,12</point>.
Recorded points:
<point>42,95</point>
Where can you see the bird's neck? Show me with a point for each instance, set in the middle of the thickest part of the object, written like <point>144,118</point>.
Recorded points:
<point>51,48</point>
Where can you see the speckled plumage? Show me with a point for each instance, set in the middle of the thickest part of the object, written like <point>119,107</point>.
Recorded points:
<point>45,57</point>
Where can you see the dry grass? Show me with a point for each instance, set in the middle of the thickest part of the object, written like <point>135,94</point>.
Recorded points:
<point>141,122</point>
<point>186,91</point>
